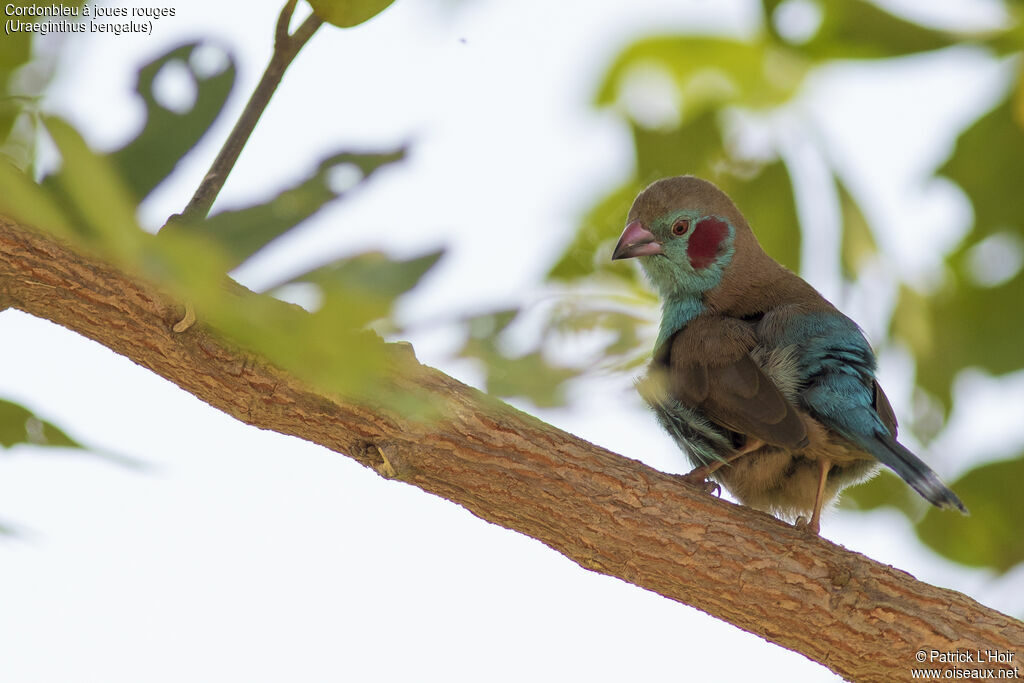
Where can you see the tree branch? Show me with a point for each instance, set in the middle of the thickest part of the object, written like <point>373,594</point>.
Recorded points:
<point>286,47</point>
<point>863,620</point>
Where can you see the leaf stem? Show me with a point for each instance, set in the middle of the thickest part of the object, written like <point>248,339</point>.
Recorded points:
<point>286,47</point>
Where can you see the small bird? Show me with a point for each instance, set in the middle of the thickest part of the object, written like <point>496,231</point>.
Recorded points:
<point>766,386</point>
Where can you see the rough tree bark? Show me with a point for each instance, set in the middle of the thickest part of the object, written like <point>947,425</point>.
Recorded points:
<point>864,620</point>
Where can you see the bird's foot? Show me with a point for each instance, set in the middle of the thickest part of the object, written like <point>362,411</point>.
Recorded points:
<point>812,526</point>
<point>698,479</point>
<point>187,320</point>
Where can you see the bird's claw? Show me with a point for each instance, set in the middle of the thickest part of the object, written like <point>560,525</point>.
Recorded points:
<point>805,524</point>
<point>707,485</point>
<point>187,320</point>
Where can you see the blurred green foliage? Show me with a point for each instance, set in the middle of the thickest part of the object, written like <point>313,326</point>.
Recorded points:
<point>152,155</point>
<point>92,199</point>
<point>19,425</point>
<point>856,29</point>
<point>241,233</point>
<point>348,13</point>
<point>23,77</point>
<point>990,536</point>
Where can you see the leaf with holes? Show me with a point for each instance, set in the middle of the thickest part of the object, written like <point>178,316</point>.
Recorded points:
<point>152,155</point>
<point>243,232</point>
<point>988,162</point>
<point>19,425</point>
<point>329,346</point>
<point>708,73</point>
<point>966,323</point>
<point>856,29</point>
<point>696,147</point>
<point>962,325</point>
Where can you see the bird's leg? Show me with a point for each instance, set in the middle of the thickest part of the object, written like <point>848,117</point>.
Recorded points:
<point>699,475</point>
<point>814,526</point>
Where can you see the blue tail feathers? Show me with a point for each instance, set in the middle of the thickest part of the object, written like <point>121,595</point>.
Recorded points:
<point>913,471</point>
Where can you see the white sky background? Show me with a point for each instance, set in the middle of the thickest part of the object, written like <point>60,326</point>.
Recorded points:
<point>246,555</point>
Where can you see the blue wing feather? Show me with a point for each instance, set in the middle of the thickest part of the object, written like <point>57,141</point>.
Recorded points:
<point>837,373</point>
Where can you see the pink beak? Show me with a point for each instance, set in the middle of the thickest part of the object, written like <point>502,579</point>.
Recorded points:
<point>636,240</point>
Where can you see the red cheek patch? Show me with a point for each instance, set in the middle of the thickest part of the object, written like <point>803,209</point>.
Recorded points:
<point>705,241</point>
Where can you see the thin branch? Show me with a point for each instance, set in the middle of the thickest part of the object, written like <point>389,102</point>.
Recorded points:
<point>861,619</point>
<point>283,21</point>
<point>286,47</point>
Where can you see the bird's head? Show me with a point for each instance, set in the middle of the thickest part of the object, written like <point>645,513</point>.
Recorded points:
<point>684,229</point>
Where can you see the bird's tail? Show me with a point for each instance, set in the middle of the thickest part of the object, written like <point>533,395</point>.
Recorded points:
<point>913,471</point>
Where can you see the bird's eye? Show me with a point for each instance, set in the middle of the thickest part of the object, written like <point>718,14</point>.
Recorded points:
<point>680,227</point>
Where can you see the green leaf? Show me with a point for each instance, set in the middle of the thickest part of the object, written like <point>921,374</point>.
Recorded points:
<point>319,349</point>
<point>858,243</point>
<point>325,348</point>
<point>600,225</point>
<point>330,347</point>
<point>92,193</point>
<point>363,288</point>
<point>491,324</point>
<point>626,325</point>
<point>988,162</point>
<point>987,322</point>
<point>15,53</point>
<point>964,324</point>
<point>243,232</point>
<point>152,155</point>
<point>767,201</point>
<point>347,13</point>
<point>884,489</point>
<point>709,72</point>
<point>991,535</point>
<point>912,323</point>
<point>11,108</point>
<point>961,326</point>
<point>373,273</point>
<point>696,147</point>
<point>19,425</point>
<point>530,375</point>
<point>23,199</point>
<point>857,29</point>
